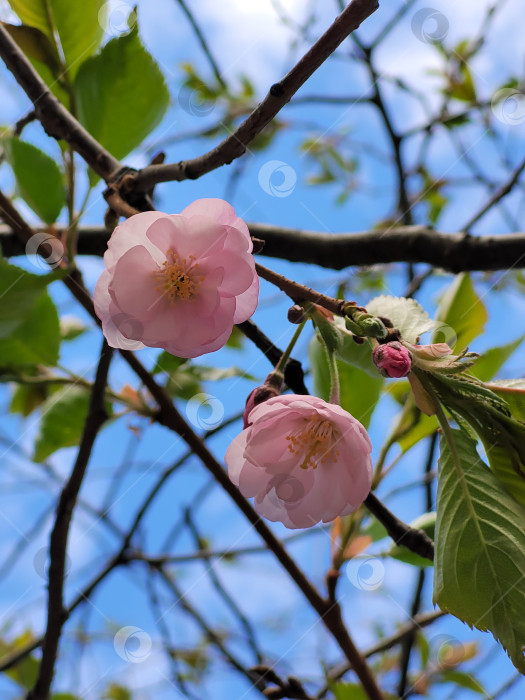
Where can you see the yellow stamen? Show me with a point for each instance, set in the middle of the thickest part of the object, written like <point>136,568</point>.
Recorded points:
<point>314,442</point>
<point>177,279</point>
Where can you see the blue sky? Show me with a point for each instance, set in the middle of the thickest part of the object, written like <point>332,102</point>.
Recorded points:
<point>248,38</point>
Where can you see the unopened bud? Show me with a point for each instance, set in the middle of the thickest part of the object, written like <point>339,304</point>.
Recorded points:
<point>296,314</point>
<point>259,395</point>
<point>392,359</point>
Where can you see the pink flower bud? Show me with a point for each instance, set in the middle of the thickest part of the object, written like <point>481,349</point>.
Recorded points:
<point>392,359</point>
<point>257,396</point>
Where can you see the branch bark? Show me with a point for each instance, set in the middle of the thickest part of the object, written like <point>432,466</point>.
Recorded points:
<point>56,613</point>
<point>411,538</point>
<point>57,121</point>
<point>454,252</point>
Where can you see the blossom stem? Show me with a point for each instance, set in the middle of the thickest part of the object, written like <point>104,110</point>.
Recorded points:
<point>334,378</point>
<point>279,367</point>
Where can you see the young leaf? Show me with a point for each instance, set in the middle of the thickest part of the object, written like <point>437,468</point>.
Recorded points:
<point>121,94</point>
<point>492,360</point>
<point>19,292</point>
<point>513,392</point>
<point>462,679</point>
<point>461,315</point>
<point>406,314</point>
<point>63,417</point>
<point>359,392</point>
<point>38,178</point>
<point>79,25</point>
<point>36,340</point>
<point>480,547</point>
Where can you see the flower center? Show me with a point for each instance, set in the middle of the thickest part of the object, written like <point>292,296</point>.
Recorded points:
<point>313,442</point>
<point>177,279</point>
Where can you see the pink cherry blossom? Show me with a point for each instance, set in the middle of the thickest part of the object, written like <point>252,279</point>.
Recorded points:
<point>303,459</point>
<point>177,281</point>
<point>392,359</point>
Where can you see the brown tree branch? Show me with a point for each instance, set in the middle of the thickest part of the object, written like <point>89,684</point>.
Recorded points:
<point>57,121</point>
<point>235,144</point>
<point>455,252</point>
<point>56,613</point>
<point>402,534</point>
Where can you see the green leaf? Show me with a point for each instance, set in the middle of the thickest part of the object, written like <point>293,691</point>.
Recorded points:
<point>461,314</point>
<point>491,361</point>
<point>38,178</point>
<point>473,403</point>
<point>424,426</point>
<point>121,94</point>
<point>348,691</point>
<point>34,43</point>
<point>236,339</point>
<point>464,680</point>
<point>117,692</point>
<point>406,314</point>
<point>25,671</point>
<point>480,548</point>
<point>27,397</point>
<point>79,25</point>
<point>359,391</point>
<point>36,340</point>
<point>352,691</point>
<point>62,422</point>
<point>19,292</point>
<point>513,392</point>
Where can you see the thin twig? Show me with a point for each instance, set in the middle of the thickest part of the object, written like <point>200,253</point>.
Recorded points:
<point>56,614</point>
<point>402,534</point>
<point>280,93</point>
